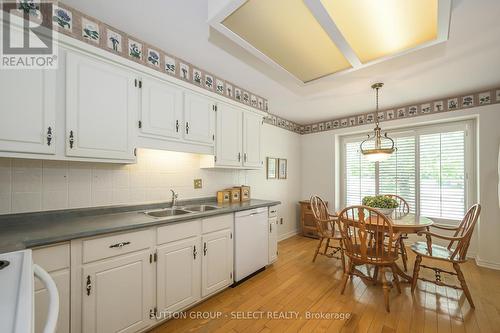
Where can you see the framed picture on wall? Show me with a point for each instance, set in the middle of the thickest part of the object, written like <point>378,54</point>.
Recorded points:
<point>271,166</point>
<point>282,168</point>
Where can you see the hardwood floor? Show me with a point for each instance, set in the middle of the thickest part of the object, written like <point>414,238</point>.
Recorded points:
<point>295,286</point>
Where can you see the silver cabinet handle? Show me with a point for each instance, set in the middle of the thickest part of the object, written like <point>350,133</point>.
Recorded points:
<point>119,245</point>
<point>239,157</point>
<point>88,286</point>
<point>245,157</point>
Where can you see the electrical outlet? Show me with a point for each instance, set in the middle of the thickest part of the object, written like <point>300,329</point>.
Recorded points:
<point>198,183</point>
<point>281,220</point>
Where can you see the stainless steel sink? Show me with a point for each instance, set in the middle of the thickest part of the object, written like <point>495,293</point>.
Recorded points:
<point>200,208</point>
<point>167,212</point>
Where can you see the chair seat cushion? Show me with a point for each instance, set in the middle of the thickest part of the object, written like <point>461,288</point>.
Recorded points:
<point>438,252</point>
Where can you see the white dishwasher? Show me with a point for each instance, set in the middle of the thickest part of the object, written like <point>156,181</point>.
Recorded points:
<point>251,242</point>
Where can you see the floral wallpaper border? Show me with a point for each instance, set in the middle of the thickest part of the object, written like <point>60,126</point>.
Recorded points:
<point>454,103</point>
<point>78,25</point>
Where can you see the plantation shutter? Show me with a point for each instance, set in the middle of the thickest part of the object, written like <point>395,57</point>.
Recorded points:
<point>397,174</point>
<point>359,175</point>
<point>442,175</point>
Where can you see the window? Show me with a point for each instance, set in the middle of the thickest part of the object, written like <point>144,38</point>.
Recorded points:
<point>428,169</point>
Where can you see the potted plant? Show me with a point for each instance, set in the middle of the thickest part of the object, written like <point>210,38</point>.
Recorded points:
<point>385,205</point>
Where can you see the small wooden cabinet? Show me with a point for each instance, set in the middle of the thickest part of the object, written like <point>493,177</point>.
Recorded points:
<point>307,223</point>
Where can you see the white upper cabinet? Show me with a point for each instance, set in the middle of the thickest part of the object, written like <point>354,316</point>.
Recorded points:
<point>252,124</point>
<point>199,118</point>
<point>161,109</point>
<point>229,136</point>
<point>102,101</point>
<point>27,111</point>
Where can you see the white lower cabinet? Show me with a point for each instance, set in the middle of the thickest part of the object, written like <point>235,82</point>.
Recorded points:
<point>117,294</point>
<point>123,279</point>
<point>217,268</point>
<point>178,274</point>
<point>273,239</point>
<point>55,260</point>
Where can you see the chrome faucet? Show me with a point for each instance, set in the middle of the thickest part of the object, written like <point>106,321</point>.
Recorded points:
<point>175,195</point>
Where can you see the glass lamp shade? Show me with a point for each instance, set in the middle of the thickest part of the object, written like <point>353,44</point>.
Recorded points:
<point>378,156</point>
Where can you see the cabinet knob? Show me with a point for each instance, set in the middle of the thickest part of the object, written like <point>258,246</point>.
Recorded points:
<point>187,127</point>
<point>88,286</point>
<point>119,245</point>
<point>49,136</point>
<point>71,139</point>
<point>177,126</point>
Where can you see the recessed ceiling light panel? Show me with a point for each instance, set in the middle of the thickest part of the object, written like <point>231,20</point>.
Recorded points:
<point>376,29</point>
<point>287,32</point>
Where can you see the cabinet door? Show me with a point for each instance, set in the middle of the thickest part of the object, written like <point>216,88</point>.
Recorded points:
<point>61,278</point>
<point>199,118</point>
<point>27,111</point>
<point>229,136</point>
<point>178,274</point>
<point>101,100</point>
<point>117,294</point>
<point>161,110</point>
<point>252,124</point>
<point>273,239</point>
<point>217,261</point>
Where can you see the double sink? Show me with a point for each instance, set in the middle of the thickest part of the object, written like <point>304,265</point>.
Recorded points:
<point>175,211</point>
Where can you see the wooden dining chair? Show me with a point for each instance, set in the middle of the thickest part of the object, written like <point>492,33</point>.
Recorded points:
<point>455,256</point>
<point>357,224</point>
<point>326,224</point>
<point>402,209</point>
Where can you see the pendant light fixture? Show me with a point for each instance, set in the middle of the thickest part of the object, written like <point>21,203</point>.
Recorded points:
<point>377,153</point>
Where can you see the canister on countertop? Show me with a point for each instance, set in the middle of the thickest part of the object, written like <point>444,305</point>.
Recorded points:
<point>235,194</point>
<point>245,193</point>
<point>223,196</point>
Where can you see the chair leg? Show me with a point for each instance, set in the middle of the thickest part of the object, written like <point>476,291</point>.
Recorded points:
<point>461,278</point>
<point>327,245</point>
<point>386,287</point>
<point>346,277</point>
<point>395,277</point>
<point>375,275</point>
<point>416,269</point>
<point>317,249</point>
<point>342,256</point>
<point>404,256</point>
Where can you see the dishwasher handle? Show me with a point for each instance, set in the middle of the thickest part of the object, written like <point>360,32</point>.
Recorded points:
<point>53,313</point>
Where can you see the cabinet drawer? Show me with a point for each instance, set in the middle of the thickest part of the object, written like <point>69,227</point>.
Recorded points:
<point>115,245</point>
<point>52,258</point>
<point>177,231</point>
<point>217,223</point>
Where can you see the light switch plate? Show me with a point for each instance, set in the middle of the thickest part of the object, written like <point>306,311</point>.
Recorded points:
<point>198,183</point>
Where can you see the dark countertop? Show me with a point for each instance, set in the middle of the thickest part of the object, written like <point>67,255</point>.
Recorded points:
<point>25,230</point>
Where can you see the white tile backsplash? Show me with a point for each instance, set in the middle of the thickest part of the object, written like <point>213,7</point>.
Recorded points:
<point>34,185</point>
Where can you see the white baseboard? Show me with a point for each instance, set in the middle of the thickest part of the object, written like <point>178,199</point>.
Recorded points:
<point>487,264</point>
<point>287,235</point>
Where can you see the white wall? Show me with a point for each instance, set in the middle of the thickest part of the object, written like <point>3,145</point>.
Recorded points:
<point>320,170</point>
<point>280,143</point>
<point>36,185</point>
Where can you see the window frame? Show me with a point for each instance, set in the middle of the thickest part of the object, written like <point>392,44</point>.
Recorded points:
<point>468,126</point>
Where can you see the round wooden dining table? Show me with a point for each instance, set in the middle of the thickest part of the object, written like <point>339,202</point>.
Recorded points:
<point>408,224</point>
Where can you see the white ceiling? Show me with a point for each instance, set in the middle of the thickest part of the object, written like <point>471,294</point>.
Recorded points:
<point>469,61</point>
